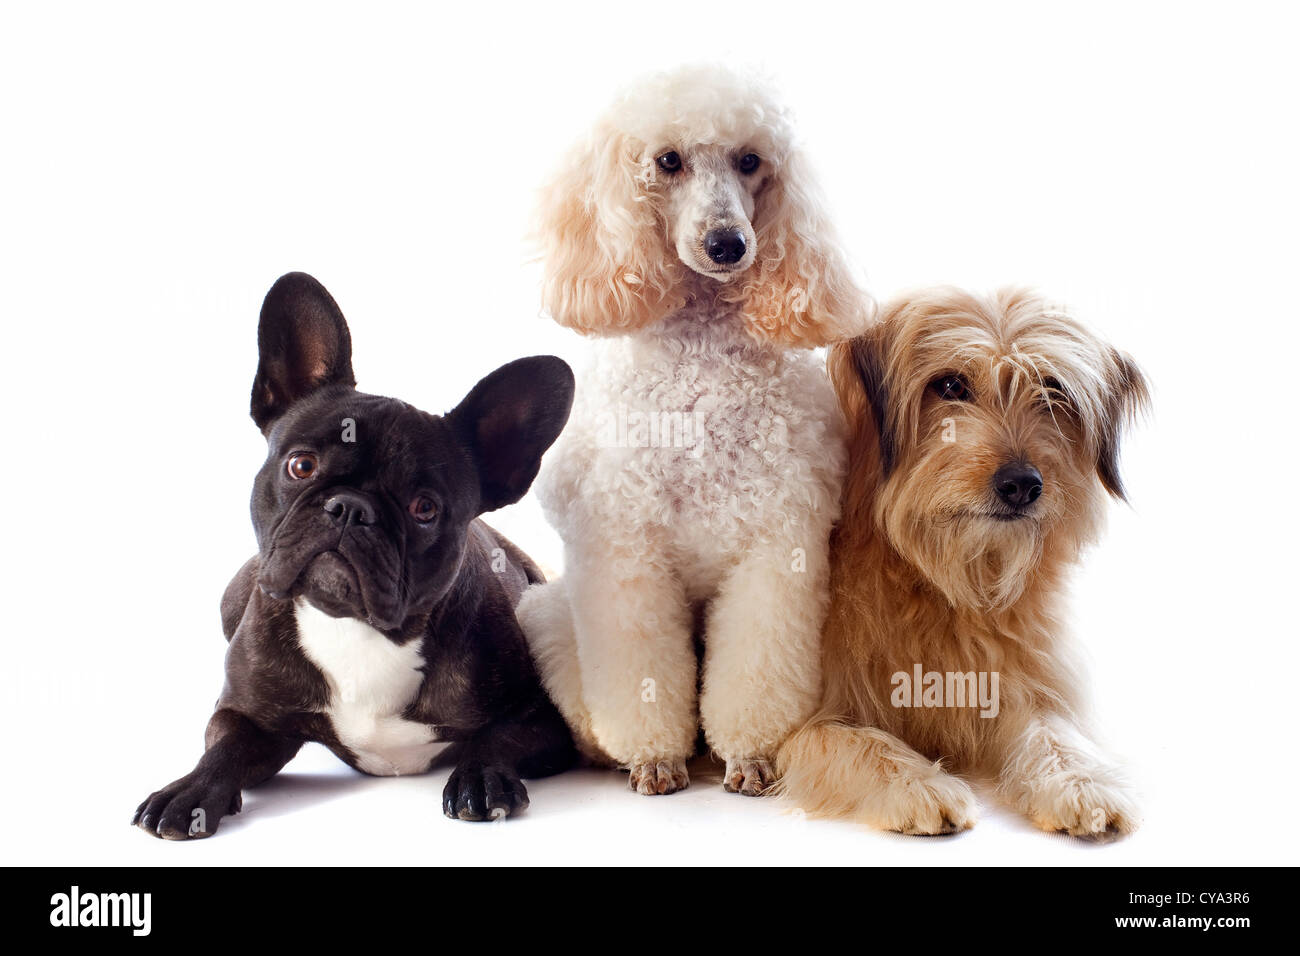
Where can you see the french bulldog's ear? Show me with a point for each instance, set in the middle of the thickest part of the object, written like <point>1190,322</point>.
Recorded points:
<point>509,419</point>
<point>302,343</point>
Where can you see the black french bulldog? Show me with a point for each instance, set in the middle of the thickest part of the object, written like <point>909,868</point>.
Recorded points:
<point>378,615</point>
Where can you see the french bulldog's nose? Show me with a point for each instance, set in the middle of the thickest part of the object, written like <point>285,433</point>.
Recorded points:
<point>349,507</point>
<point>725,246</point>
<point>1018,484</point>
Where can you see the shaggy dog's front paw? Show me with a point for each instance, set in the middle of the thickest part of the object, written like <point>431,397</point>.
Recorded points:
<point>751,776</point>
<point>1083,806</point>
<point>658,776</point>
<point>929,805</point>
<point>475,792</point>
<point>186,809</point>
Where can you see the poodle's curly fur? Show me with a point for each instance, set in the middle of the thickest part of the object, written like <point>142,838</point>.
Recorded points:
<point>609,270</point>
<point>721,536</point>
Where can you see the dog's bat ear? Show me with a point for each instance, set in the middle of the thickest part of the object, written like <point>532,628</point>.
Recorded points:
<point>509,419</point>
<point>869,365</point>
<point>303,345</point>
<point>1127,396</point>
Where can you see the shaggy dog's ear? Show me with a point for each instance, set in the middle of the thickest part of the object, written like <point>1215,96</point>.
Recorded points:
<point>1127,395</point>
<point>857,371</point>
<point>607,270</point>
<point>800,290</point>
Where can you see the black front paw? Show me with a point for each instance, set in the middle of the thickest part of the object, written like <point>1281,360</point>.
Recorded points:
<point>187,809</point>
<point>476,792</point>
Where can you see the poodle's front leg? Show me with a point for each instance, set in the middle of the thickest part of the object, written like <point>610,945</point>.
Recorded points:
<point>762,659</point>
<point>1054,775</point>
<point>637,662</point>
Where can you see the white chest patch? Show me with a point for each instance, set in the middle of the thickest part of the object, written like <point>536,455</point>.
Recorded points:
<point>371,682</point>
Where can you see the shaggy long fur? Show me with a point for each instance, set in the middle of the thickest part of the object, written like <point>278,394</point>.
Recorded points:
<point>927,569</point>
<point>723,536</point>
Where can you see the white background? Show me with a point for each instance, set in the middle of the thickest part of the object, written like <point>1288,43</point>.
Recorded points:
<point>161,167</point>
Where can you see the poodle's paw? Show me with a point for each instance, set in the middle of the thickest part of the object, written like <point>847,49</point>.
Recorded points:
<point>751,776</point>
<point>931,804</point>
<point>659,776</point>
<point>1083,806</point>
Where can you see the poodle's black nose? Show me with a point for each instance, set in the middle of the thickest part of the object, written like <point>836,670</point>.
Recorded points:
<point>725,246</point>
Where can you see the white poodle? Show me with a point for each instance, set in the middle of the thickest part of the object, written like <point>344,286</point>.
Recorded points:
<point>698,479</point>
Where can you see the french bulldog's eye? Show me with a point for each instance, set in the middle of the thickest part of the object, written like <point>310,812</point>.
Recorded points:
<point>749,163</point>
<point>423,509</point>
<point>303,465</point>
<point>952,388</point>
<point>670,162</point>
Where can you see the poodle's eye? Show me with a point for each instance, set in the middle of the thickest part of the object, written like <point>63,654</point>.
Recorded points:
<point>749,163</point>
<point>669,162</point>
<point>952,388</point>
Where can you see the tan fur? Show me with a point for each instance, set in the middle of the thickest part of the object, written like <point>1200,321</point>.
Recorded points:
<point>605,217</point>
<point>922,574</point>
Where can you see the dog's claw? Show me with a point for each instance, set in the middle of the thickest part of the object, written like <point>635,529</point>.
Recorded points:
<point>936,804</point>
<point>1084,808</point>
<point>749,776</point>
<point>188,809</point>
<point>658,777</point>
<point>483,793</point>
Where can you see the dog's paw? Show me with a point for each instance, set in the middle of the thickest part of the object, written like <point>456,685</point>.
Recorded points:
<point>659,776</point>
<point>1083,806</point>
<point>932,804</point>
<point>751,776</point>
<point>188,809</point>
<point>475,792</point>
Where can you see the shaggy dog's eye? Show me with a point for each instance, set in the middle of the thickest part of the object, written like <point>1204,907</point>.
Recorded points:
<point>301,466</point>
<point>423,509</point>
<point>669,162</point>
<point>749,163</point>
<point>952,388</point>
<point>1054,393</point>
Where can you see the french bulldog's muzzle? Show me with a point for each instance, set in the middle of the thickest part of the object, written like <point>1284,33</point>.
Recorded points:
<point>335,550</point>
<point>377,617</point>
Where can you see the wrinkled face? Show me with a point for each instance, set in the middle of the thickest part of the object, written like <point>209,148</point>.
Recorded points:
<point>998,422</point>
<point>361,507</point>
<point>707,203</point>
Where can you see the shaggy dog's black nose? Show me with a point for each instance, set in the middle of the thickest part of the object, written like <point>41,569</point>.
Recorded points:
<point>1018,484</point>
<point>350,508</point>
<point>725,246</point>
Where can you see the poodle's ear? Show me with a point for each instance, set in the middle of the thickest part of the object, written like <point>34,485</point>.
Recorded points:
<point>800,291</point>
<point>605,258</point>
<point>1127,395</point>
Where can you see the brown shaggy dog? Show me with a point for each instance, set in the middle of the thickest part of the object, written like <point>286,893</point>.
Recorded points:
<point>984,440</point>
